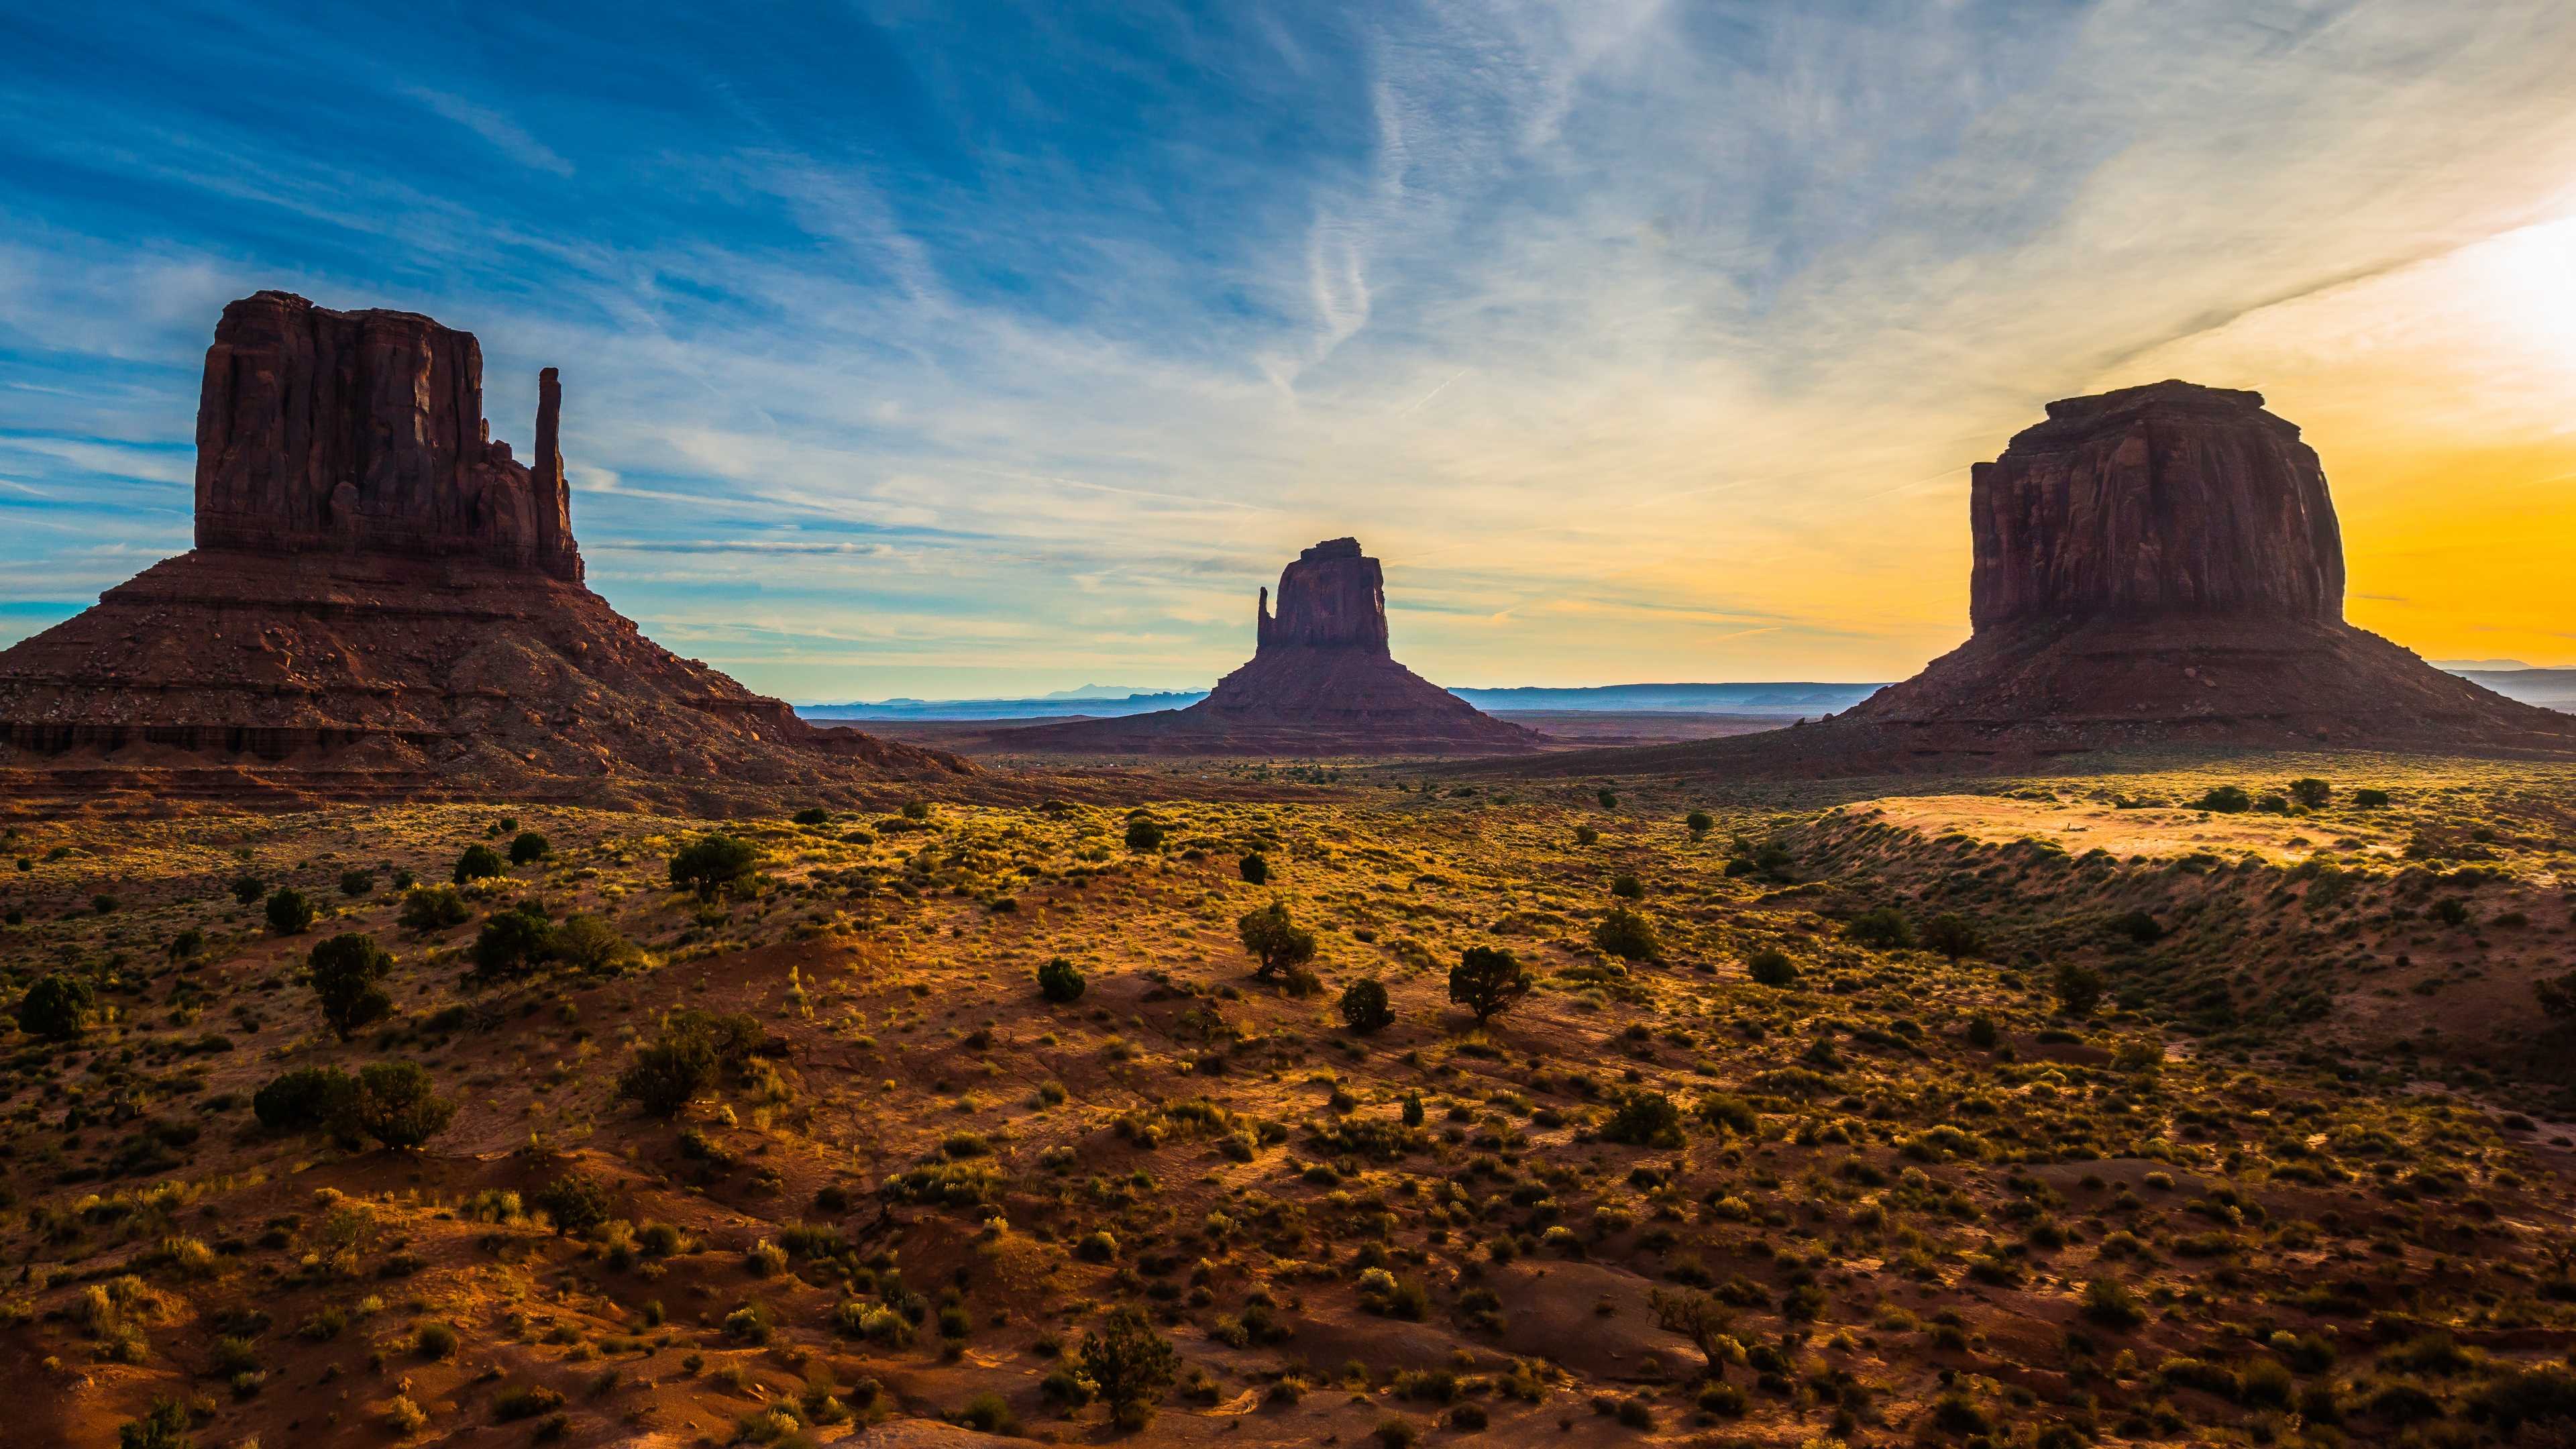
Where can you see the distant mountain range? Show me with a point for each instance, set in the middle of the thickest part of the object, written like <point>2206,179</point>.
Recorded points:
<point>1785,699</point>
<point>2548,688</point>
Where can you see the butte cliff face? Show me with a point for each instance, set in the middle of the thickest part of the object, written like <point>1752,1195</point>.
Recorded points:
<point>2153,566</point>
<point>384,603</point>
<point>1322,681</point>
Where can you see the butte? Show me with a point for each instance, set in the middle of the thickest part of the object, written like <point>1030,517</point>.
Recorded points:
<point>384,604</point>
<point>1321,682</point>
<point>2154,566</point>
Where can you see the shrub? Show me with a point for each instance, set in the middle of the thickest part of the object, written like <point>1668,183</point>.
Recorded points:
<point>57,1006</point>
<point>529,846</point>
<point>345,970</point>
<point>1468,1419</point>
<point>1395,1434</point>
<point>2109,1302</point>
<point>290,912</point>
<point>2531,1395</point>
<point>304,1098</point>
<point>2078,988</point>
<point>434,1341</point>
<point>1954,936</point>
<point>2370,799</point>
<point>1489,981</point>
<point>1882,928</point>
<point>713,860</point>
<point>356,883</point>
<point>393,1103</point>
<point>524,1401</point>
<point>1254,868</point>
<point>189,942</point>
<point>1608,800</point>
<point>1698,823</point>
<point>1644,1119</point>
<point>1143,835</point>
<point>1627,888</point>
<point>1624,933</point>
<point>163,1426</point>
<point>812,815</point>
<point>2225,800</point>
<point>1275,941</point>
<point>512,943</point>
<point>479,862</point>
<point>1637,1414</point>
<point>248,888</point>
<point>1982,1034</point>
<point>2138,926</point>
<point>591,946</point>
<point>1059,980</point>
<point>2312,793</point>
<point>576,1201</point>
<point>681,1062</point>
<point>987,1414</point>
<point>2450,911</point>
<point>1586,835</point>
<point>432,908</point>
<point>1768,967</point>
<point>1364,1008</point>
<point>1130,1363</point>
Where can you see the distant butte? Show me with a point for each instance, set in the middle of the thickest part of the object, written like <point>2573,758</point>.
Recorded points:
<point>2153,566</point>
<point>384,603</point>
<point>1322,681</point>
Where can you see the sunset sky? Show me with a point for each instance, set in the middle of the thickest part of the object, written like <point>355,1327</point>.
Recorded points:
<point>959,349</point>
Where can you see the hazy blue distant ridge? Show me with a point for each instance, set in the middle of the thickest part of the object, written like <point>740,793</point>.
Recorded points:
<point>1790,698</point>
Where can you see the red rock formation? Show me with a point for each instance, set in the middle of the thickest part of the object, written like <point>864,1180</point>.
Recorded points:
<point>1321,682</point>
<point>383,603</point>
<point>2155,566</point>
<point>363,432</point>
<point>2166,499</point>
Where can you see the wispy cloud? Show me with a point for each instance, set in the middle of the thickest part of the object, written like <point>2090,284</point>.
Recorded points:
<point>1043,349</point>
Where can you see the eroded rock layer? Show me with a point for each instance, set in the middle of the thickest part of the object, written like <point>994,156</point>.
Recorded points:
<point>1321,682</point>
<point>383,603</point>
<point>2155,566</point>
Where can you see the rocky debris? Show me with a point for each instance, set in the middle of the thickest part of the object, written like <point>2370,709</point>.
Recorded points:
<point>383,604</point>
<point>2155,566</point>
<point>2165,499</point>
<point>1321,682</point>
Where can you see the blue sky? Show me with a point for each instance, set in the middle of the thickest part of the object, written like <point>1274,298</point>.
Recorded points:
<point>971,349</point>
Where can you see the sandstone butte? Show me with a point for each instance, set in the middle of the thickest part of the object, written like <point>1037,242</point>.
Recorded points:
<point>2159,565</point>
<point>384,603</point>
<point>1322,681</point>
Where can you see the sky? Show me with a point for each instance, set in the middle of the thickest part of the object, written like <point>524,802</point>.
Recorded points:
<point>955,350</point>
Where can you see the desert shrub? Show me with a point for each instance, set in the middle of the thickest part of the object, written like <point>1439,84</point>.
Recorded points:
<point>1954,936</point>
<point>479,862</point>
<point>576,1201</point>
<point>1767,967</point>
<point>2078,988</point>
<point>2370,799</point>
<point>1982,1033</point>
<point>1625,933</point>
<point>1144,835</point>
<point>2533,1395</point>
<point>1489,981</point>
<point>1059,980</point>
<point>591,946</point>
<point>2109,1302</point>
<point>356,882</point>
<point>524,1401</point>
<point>345,970</point>
<point>1364,1006</point>
<point>1254,868</point>
<point>58,1006</point>
<point>529,846</point>
<point>248,888</point>
<point>1395,1434</point>
<point>394,1103</point>
<point>1644,1119</point>
<point>2312,793</point>
<point>1882,928</point>
<point>1468,1418</point>
<point>163,1426</point>
<point>680,1063</point>
<point>1278,943</point>
<point>2450,911</point>
<point>2225,800</point>
<point>512,943</point>
<point>1130,1363</point>
<point>2138,926</point>
<point>1698,823</point>
<point>986,1413</point>
<point>434,1341</point>
<point>290,911</point>
<point>1586,835</point>
<point>1627,888</point>
<point>711,861</point>
<point>1723,1399</point>
<point>189,942</point>
<point>304,1098</point>
<point>432,908</point>
<point>1637,1414</point>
